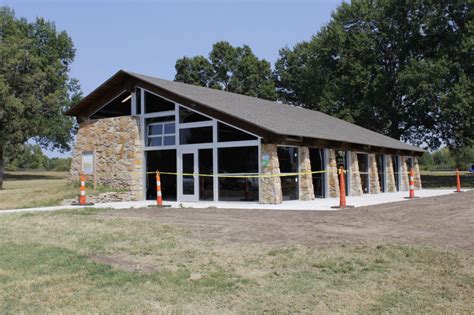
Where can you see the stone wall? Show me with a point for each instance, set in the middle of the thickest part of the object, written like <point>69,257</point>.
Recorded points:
<point>416,170</point>
<point>333,175</point>
<point>356,184</point>
<point>118,153</point>
<point>373,176</point>
<point>404,174</point>
<point>306,180</point>
<point>391,184</point>
<point>270,187</point>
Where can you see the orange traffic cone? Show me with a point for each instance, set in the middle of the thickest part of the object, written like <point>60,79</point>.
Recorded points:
<point>342,191</point>
<point>412,184</point>
<point>458,181</point>
<point>82,196</point>
<point>159,198</point>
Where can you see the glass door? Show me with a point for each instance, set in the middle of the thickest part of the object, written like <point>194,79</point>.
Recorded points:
<point>188,179</point>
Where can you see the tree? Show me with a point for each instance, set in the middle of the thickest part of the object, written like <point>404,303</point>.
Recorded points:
<point>26,156</point>
<point>35,87</point>
<point>232,69</point>
<point>404,69</point>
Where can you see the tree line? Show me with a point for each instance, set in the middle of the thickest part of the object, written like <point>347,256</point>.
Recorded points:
<point>31,157</point>
<point>403,69</point>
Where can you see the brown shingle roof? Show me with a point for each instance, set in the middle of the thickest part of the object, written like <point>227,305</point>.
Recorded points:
<point>275,117</point>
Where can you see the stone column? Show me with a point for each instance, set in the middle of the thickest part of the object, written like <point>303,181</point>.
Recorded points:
<point>416,170</point>
<point>270,187</point>
<point>373,175</point>
<point>333,181</point>
<point>356,184</point>
<point>404,174</point>
<point>306,180</point>
<point>391,186</point>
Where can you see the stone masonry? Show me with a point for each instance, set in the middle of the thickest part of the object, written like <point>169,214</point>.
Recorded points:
<point>404,174</point>
<point>270,187</point>
<point>373,175</point>
<point>356,184</point>
<point>118,153</point>
<point>391,185</point>
<point>306,180</point>
<point>333,175</point>
<point>416,171</point>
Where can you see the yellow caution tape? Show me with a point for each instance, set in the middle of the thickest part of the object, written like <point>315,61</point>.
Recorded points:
<point>242,176</point>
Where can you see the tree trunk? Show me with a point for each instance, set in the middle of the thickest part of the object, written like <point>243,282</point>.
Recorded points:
<point>1,167</point>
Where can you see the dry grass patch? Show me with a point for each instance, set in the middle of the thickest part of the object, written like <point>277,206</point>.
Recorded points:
<point>79,261</point>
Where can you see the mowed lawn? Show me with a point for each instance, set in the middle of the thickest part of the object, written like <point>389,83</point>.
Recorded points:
<point>27,189</point>
<point>87,261</point>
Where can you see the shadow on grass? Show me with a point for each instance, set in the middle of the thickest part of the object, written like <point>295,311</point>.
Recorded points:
<point>31,176</point>
<point>443,181</point>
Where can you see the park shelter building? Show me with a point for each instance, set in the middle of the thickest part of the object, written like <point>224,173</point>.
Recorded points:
<point>132,125</point>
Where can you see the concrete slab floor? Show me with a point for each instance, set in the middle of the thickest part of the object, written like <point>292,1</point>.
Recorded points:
<point>317,204</point>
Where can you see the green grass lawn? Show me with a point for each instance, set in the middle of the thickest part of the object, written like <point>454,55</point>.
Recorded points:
<point>53,262</point>
<point>27,189</point>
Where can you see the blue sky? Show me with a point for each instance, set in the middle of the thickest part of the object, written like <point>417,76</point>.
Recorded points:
<point>149,36</point>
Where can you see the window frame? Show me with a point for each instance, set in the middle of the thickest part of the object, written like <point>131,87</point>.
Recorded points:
<point>214,145</point>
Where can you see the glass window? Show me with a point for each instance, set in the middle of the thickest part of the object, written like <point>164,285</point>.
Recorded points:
<point>288,159</point>
<point>187,116</point>
<point>195,135</point>
<point>160,131</point>
<point>379,158</point>
<point>155,142</point>
<point>138,99</point>
<point>154,103</point>
<point>169,140</point>
<point>238,160</point>
<point>119,106</point>
<point>238,189</point>
<point>188,168</point>
<point>317,165</point>
<point>206,183</point>
<point>409,163</point>
<point>226,133</point>
<point>155,129</point>
<point>363,161</point>
<point>396,171</point>
<point>164,161</point>
<point>170,128</point>
<point>241,161</point>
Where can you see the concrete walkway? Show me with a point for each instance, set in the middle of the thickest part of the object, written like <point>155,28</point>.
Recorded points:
<point>317,204</point>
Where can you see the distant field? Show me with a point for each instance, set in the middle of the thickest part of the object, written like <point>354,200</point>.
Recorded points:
<point>36,189</point>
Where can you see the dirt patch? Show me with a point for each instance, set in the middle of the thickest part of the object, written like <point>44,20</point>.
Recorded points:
<point>123,263</point>
<point>445,222</point>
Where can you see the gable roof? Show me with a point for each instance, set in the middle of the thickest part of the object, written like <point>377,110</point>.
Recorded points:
<point>281,119</point>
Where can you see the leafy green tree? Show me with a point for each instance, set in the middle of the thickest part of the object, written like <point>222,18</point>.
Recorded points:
<point>25,156</point>
<point>58,164</point>
<point>232,69</point>
<point>35,87</point>
<point>404,69</point>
